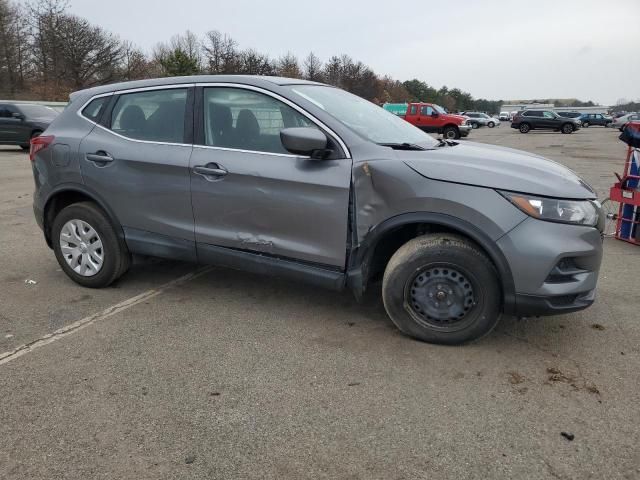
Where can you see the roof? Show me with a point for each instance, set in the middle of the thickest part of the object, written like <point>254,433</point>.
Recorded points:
<point>256,80</point>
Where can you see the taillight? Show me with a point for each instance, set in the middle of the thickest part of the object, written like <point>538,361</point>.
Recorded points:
<point>39,143</point>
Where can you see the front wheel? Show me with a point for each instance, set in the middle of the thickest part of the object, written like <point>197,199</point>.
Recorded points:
<point>441,288</point>
<point>567,128</point>
<point>525,127</point>
<point>585,124</point>
<point>451,133</point>
<point>87,246</point>
<point>491,124</point>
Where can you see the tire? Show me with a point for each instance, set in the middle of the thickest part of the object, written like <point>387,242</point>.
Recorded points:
<point>447,266</point>
<point>115,256</point>
<point>491,124</point>
<point>524,128</point>
<point>451,133</point>
<point>475,125</point>
<point>585,124</point>
<point>566,128</point>
<point>26,148</point>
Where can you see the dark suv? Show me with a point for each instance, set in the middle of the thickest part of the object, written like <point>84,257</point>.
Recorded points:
<point>20,122</point>
<point>588,119</point>
<point>543,120</point>
<point>306,181</point>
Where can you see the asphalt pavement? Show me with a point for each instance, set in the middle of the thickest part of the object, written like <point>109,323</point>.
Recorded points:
<point>179,371</point>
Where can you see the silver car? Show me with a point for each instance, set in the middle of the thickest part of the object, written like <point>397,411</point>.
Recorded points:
<point>306,181</point>
<point>622,121</point>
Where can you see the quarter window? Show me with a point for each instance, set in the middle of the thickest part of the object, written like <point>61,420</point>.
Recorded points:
<point>94,110</point>
<point>153,115</point>
<point>247,120</point>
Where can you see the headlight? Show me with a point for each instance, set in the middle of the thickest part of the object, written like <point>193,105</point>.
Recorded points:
<point>578,212</point>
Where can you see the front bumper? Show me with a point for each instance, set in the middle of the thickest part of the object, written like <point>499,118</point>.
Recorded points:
<point>554,266</point>
<point>464,130</point>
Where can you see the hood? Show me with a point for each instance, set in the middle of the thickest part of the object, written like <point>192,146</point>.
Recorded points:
<point>453,116</point>
<point>498,167</point>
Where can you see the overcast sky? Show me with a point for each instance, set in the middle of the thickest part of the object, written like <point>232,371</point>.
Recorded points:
<point>496,49</point>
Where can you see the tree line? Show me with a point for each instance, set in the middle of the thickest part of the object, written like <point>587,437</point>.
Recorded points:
<point>46,52</point>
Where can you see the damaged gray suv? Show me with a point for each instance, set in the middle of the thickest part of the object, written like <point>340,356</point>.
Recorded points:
<point>306,181</point>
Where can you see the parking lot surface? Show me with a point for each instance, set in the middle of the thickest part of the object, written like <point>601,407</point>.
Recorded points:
<point>223,374</point>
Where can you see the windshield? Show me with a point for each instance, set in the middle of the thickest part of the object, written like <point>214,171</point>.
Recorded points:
<point>37,111</point>
<point>439,109</point>
<point>363,117</point>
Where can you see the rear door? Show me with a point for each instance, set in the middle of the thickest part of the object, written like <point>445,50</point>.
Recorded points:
<point>260,198</point>
<point>137,160</point>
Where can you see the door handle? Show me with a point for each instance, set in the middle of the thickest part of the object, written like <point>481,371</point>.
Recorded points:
<point>210,170</point>
<point>99,157</point>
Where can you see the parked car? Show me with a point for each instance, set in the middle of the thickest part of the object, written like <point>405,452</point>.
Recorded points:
<point>432,118</point>
<point>479,119</point>
<point>622,121</point>
<point>588,119</point>
<point>20,122</point>
<point>528,120</point>
<point>504,116</point>
<point>574,115</point>
<point>306,181</point>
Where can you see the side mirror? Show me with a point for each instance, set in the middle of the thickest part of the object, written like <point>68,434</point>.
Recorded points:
<point>304,141</point>
<point>17,115</point>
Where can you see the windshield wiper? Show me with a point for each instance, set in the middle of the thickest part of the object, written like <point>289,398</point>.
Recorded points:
<point>402,146</point>
<point>445,143</point>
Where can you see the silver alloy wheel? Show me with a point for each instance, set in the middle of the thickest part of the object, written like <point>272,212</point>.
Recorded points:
<point>81,247</point>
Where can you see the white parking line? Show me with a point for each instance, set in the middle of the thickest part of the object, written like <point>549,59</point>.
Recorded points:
<point>86,321</point>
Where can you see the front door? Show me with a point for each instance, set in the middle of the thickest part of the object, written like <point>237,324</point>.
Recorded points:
<point>250,194</point>
<point>138,163</point>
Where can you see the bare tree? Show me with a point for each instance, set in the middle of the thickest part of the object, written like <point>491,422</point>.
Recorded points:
<point>220,53</point>
<point>134,64</point>
<point>89,55</point>
<point>45,20</point>
<point>287,66</point>
<point>254,63</point>
<point>313,68</point>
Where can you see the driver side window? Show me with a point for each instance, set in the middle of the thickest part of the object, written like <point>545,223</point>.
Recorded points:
<point>427,110</point>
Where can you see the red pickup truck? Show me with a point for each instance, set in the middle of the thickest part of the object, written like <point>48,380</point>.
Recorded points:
<point>433,118</point>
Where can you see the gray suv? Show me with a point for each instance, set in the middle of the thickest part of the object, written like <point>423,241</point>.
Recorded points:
<point>306,181</point>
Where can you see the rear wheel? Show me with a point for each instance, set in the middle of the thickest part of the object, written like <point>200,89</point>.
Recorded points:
<point>475,125</point>
<point>87,246</point>
<point>525,127</point>
<point>441,288</point>
<point>567,128</point>
<point>451,133</point>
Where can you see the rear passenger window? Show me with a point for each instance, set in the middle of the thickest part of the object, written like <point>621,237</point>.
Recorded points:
<point>94,110</point>
<point>247,120</point>
<point>154,115</point>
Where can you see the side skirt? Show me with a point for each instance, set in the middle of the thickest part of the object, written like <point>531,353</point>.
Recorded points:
<point>272,266</point>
